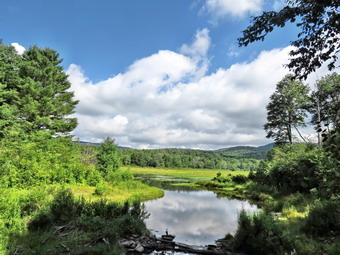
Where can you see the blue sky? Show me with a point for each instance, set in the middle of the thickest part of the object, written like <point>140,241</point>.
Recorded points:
<point>158,73</point>
<point>105,37</point>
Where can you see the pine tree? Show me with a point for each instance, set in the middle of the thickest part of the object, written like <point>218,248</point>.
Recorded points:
<point>44,101</point>
<point>9,79</point>
<point>108,156</point>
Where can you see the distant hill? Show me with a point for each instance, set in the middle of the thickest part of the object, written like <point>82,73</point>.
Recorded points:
<point>237,152</point>
<point>240,152</point>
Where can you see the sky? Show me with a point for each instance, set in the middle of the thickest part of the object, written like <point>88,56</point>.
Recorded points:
<point>156,74</point>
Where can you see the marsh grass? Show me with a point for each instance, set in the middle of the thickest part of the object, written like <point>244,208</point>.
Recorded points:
<point>73,224</point>
<point>187,173</point>
<point>19,208</point>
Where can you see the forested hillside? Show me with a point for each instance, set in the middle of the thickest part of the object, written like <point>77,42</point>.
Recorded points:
<point>233,158</point>
<point>186,158</point>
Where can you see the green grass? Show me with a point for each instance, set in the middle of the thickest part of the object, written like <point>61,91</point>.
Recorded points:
<point>19,206</point>
<point>187,173</point>
<point>83,223</point>
<point>118,192</point>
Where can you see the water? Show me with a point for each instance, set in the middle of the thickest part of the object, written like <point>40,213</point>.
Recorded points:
<point>195,217</point>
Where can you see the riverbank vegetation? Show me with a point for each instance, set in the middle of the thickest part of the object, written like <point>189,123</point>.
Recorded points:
<point>56,195</point>
<point>298,184</point>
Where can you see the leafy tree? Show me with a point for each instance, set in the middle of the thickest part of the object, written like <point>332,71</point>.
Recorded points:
<point>108,156</point>
<point>318,41</point>
<point>326,102</point>
<point>286,109</point>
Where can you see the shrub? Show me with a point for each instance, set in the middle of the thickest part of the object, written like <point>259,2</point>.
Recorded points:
<point>299,168</point>
<point>43,161</point>
<point>323,219</point>
<point>260,234</point>
<point>108,156</point>
<point>239,179</point>
<point>221,178</point>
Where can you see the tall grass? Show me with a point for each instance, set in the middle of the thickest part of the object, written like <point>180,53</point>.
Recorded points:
<point>80,226</point>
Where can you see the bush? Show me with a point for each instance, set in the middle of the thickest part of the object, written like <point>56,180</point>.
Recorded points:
<point>239,179</point>
<point>43,161</point>
<point>299,168</point>
<point>221,178</point>
<point>260,234</point>
<point>323,219</point>
<point>66,209</point>
<point>108,156</point>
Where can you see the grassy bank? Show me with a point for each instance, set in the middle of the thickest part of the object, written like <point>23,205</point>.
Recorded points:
<point>28,223</point>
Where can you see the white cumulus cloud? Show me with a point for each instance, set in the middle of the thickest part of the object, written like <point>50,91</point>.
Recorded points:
<point>222,8</point>
<point>161,101</point>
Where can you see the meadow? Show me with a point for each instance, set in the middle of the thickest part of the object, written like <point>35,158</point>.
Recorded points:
<point>187,173</point>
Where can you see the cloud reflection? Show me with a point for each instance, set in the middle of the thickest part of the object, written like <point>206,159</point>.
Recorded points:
<point>195,217</point>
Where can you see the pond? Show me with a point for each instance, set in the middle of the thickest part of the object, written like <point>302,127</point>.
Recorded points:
<point>195,217</point>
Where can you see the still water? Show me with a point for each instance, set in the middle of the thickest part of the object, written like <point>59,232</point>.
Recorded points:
<point>195,217</point>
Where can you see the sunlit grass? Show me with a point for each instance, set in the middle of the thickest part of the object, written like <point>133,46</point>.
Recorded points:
<point>118,192</point>
<point>188,173</point>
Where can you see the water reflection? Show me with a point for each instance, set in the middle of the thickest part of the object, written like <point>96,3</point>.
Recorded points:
<point>195,217</point>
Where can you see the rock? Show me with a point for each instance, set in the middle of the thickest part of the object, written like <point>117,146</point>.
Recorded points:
<point>128,243</point>
<point>139,248</point>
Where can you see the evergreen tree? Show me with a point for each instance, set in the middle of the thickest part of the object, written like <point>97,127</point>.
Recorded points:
<point>108,157</point>
<point>9,80</point>
<point>44,101</point>
<point>286,109</point>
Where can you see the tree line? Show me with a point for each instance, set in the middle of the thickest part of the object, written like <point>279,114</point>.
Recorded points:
<point>185,158</point>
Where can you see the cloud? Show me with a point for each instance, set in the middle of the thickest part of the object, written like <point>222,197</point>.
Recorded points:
<point>20,49</point>
<point>164,100</point>
<point>219,9</point>
<point>198,51</point>
<point>200,46</point>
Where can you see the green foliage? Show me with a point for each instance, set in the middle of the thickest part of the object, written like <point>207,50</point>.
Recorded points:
<point>325,102</point>
<point>43,161</point>
<point>323,219</point>
<point>299,168</point>
<point>261,234</point>
<point>187,158</point>
<point>317,40</point>
<point>108,157</point>
<point>17,206</point>
<point>66,209</point>
<point>239,179</point>
<point>221,178</point>
<point>9,80</point>
<point>44,101</point>
<point>33,93</point>
<point>79,222</point>
<point>286,109</point>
